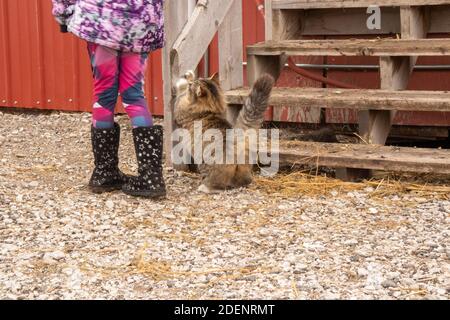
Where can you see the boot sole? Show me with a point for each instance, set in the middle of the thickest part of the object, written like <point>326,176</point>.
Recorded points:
<point>100,190</point>
<point>146,194</point>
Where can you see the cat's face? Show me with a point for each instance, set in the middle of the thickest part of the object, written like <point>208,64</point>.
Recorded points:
<point>198,96</point>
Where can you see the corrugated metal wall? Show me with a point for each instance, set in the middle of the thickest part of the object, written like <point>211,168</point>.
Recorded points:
<point>42,68</point>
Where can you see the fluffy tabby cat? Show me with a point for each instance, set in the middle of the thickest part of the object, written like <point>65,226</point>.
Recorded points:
<point>203,100</point>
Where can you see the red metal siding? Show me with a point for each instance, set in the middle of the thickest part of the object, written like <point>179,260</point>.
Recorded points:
<point>42,68</point>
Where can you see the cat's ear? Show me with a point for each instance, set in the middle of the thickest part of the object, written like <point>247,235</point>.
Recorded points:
<point>216,78</point>
<point>200,92</point>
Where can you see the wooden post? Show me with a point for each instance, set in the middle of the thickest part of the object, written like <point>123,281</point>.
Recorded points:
<point>231,49</point>
<point>269,19</point>
<point>395,72</point>
<point>197,34</point>
<point>231,55</point>
<point>176,16</point>
<point>280,25</point>
<point>415,22</point>
<point>375,125</point>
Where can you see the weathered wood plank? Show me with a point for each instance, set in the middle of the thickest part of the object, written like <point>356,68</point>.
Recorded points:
<point>197,34</point>
<point>362,156</point>
<point>415,22</point>
<point>231,49</point>
<point>352,99</point>
<point>353,47</point>
<point>268,21</point>
<point>176,13</point>
<point>321,4</point>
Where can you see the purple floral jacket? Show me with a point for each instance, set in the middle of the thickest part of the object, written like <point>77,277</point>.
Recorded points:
<point>127,25</point>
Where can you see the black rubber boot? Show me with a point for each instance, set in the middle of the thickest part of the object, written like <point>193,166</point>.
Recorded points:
<point>149,183</point>
<point>106,176</point>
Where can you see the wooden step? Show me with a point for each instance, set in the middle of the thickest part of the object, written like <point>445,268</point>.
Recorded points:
<point>363,156</point>
<point>353,47</point>
<point>352,99</point>
<point>328,4</point>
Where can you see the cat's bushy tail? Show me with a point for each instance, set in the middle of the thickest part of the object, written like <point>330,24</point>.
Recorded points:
<point>256,104</point>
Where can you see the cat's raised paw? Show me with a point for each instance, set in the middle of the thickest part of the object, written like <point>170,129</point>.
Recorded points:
<point>190,75</point>
<point>181,84</point>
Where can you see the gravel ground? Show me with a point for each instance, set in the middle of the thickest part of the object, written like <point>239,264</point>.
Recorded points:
<point>58,241</point>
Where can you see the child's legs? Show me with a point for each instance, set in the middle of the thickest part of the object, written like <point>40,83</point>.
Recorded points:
<point>131,87</point>
<point>105,68</point>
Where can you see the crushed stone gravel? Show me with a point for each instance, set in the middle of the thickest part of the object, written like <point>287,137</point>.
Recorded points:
<point>59,241</point>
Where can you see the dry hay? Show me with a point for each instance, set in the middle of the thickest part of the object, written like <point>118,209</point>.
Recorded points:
<point>158,270</point>
<point>306,184</point>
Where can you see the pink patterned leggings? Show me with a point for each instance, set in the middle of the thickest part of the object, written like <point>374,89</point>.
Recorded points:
<point>115,71</point>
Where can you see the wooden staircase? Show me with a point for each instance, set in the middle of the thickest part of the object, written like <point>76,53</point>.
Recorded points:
<point>288,21</point>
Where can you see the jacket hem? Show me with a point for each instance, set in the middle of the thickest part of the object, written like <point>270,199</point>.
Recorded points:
<point>116,46</point>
